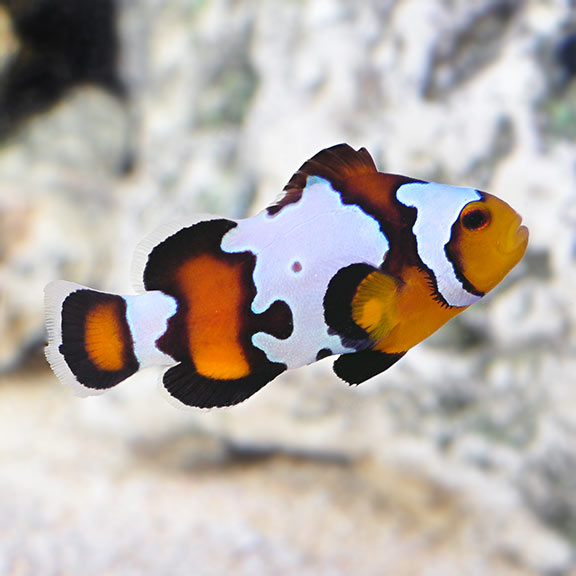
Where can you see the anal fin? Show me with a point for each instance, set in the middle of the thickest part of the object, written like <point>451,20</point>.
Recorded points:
<point>185,384</point>
<point>361,366</point>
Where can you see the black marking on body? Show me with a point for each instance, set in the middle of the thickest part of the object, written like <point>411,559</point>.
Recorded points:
<point>338,303</point>
<point>433,285</point>
<point>277,321</point>
<point>455,259</point>
<point>323,353</point>
<point>396,220</point>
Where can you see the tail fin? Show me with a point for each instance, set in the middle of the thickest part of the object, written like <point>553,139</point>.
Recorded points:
<point>90,345</point>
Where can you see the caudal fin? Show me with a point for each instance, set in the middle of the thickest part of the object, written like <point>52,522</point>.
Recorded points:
<point>90,345</point>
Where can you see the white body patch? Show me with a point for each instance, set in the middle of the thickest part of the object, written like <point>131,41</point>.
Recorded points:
<point>438,208</point>
<point>298,251</point>
<point>147,315</point>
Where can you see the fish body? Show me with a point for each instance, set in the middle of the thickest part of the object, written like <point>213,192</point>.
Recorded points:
<point>349,262</point>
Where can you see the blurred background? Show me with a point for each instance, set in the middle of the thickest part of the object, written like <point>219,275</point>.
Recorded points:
<point>117,116</point>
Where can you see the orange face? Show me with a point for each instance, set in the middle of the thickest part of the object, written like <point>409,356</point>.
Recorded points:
<point>487,241</point>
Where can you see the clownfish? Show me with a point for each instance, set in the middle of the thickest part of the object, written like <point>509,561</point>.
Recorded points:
<point>349,262</point>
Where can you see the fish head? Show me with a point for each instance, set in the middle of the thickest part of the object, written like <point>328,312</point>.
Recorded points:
<point>487,241</point>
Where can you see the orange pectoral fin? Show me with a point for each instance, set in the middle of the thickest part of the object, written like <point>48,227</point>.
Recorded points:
<point>374,306</point>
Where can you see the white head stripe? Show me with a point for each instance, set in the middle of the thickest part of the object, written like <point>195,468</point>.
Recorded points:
<point>438,208</point>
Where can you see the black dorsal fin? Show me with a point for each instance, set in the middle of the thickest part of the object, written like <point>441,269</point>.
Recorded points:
<point>336,164</point>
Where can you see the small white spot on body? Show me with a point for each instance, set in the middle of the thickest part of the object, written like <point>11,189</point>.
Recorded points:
<point>298,251</point>
<point>438,208</point>
<point>147,315</point>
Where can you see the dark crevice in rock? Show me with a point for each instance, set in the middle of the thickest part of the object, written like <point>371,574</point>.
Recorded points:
<point>475,43</point>
<point>63,44</point>
<point>566,55</point>
<point>556,56</point>
<point>547,486</point>
<point>503,142</point>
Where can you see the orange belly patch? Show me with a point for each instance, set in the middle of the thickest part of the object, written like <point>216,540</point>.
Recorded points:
<point>103,336</point>
<point>216,299</point>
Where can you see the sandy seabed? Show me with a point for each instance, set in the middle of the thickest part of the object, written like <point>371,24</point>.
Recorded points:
<point>77,500</point>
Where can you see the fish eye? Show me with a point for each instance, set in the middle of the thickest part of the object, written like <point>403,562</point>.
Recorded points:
<point>476,219</point>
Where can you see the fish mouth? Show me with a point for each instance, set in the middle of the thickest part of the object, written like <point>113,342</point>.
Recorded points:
<point>516,238</point>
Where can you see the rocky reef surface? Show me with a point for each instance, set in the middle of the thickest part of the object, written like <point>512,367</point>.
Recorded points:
<point>459,460</point>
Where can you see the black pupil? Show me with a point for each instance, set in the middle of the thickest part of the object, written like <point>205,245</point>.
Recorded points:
<point>474,220</point>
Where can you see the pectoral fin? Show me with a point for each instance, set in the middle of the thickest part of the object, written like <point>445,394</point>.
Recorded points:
<point>374,306</point>
<point>360,303</point>
<point>361,366</point>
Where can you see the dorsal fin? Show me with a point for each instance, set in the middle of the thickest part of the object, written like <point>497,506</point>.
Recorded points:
<point>337,164</point>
